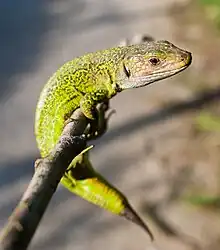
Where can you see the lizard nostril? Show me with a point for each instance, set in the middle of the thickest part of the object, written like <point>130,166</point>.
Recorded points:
<point>182,58</point>
<point>186,58</point>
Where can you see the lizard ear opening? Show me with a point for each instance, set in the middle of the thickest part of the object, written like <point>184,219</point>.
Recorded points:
<point>126,71</point>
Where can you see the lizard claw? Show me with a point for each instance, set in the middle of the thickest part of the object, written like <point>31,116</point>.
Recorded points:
<point>112,112</point>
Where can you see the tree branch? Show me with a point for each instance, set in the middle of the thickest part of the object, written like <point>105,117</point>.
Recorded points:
<point>24,220</point>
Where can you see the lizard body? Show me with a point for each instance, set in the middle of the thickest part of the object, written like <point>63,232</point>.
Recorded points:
<point>95,78</point>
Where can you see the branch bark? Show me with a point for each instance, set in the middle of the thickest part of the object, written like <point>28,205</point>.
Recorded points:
<point>24,220</point>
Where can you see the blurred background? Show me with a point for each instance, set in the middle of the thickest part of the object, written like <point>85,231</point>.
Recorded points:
<point>162,148</point>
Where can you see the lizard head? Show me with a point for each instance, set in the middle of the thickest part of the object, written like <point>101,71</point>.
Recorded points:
<point>151,61</point>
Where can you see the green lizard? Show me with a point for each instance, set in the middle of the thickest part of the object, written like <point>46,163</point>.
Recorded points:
<point>87,81</point>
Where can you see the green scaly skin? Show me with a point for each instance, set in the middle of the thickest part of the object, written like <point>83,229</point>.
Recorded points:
<point>95,78</point>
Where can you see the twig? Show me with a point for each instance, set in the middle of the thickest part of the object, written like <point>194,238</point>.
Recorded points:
<point>24,220</point>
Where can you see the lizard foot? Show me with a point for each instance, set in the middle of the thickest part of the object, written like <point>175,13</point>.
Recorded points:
<point>99,126</point>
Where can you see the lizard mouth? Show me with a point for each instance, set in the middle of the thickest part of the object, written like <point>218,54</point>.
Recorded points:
<point>157,76</point>
<point>163,74</point>
<point>140,81</point>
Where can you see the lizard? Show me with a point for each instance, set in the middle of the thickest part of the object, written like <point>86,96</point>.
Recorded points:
<point>87,81</point>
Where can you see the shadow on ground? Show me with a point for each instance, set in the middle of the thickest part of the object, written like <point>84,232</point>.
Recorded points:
<point>197,102</point>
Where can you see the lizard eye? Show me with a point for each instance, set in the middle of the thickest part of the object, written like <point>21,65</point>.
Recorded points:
<point>126,71</point>
<point>154,61</point>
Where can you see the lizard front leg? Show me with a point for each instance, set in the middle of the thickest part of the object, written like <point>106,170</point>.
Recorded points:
<point>97,116</point>
<point>102,125</point>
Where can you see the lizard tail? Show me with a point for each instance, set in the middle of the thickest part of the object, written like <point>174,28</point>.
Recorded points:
<point>85,182</point>
<point>130,214</point>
